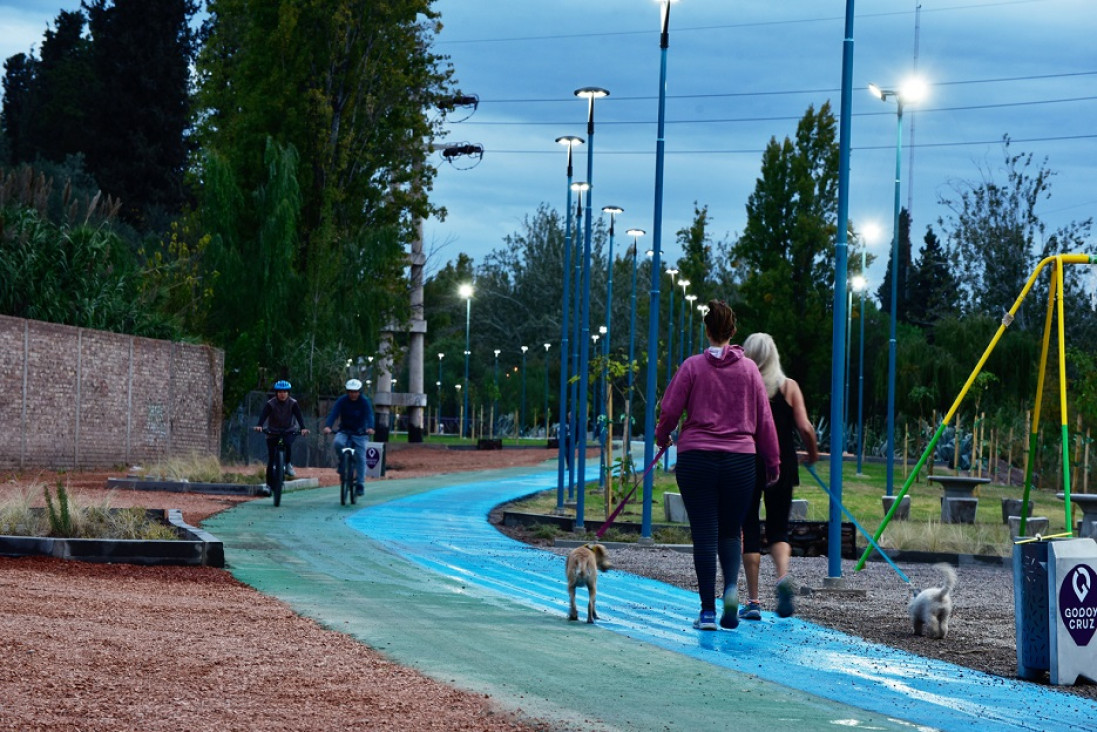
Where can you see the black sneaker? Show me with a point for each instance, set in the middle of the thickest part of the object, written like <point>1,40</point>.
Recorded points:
<point>359,489</point>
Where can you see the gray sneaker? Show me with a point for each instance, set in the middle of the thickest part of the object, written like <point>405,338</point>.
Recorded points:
<point>750,611</point>
<point>785,607</point>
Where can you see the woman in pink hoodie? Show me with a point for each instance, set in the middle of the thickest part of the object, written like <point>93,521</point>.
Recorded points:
<point>727,423</point>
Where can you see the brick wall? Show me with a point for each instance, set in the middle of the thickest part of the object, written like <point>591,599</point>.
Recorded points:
<point>78,398</point>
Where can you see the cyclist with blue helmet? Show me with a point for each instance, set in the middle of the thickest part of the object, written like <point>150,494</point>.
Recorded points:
<point>279,415</point>
<point>354,411</point>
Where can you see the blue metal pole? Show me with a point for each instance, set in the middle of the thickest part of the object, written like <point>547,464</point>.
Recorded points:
<point>561,438</point>
<point>838,339</point>
<point>894,300</point>
<point>584,336</point>
<point>682,328</point>
<point>573,423</point>
<point>468,321</point>
<point>861,377</point>
<point>656,273</point>
<point>495,390</point>
<point>631,352</point>
<point>670,336</point>
<point>522,406</point>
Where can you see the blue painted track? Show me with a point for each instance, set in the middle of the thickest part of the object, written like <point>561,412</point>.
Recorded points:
<point>446,531</point>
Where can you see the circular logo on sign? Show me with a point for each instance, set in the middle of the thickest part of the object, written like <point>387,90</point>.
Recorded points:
<point>1078,603</point>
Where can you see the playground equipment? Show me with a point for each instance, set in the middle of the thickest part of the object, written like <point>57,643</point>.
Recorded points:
<point>1054,307</point>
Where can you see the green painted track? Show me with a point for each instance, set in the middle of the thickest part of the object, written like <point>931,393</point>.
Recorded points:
<point>572,674</point>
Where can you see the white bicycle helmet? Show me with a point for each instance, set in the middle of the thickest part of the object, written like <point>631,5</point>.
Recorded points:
<point>354,385</point>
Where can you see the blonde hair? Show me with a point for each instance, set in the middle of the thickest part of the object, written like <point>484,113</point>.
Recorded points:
<point>760,348</point>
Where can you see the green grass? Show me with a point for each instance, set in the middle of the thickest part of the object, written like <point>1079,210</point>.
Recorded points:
<point>862,497</point>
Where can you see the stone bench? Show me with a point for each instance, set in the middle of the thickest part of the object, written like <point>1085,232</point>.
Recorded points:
<point>1033,526</point>
<point>1012,507</point>
<point>902,513</point>
<point>958,510</point>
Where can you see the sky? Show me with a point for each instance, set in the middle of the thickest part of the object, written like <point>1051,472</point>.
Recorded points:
<point>740,73</point>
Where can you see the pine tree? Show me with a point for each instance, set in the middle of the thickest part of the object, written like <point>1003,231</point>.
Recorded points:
<point>933,286</point>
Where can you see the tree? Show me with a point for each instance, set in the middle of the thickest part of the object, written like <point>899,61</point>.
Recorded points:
<point>883,293</point>
<point>996,231</point>
<point>787,245</point>
<point>16,118</point>
<point>349,86</point>
<point>141,57</point>
<point>696,262</point>
<point>932,285</point>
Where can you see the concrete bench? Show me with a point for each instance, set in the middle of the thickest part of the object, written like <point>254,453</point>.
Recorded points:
<point>958,510</point>
<point>1033,526</point>
<point>902,513</point>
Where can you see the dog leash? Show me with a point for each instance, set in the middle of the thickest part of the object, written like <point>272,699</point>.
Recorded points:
<point>635,485</point>
<point>868,537</point>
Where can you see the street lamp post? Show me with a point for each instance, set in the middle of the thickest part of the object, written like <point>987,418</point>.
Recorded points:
<point>562,457</point>
<point>682,321</point>
<point>635,234</point>
<point>689,331</point>
<point>657,233</point>
<point>910,92</point>
<point>703,309</point>
<point>859,286</point>
<point>590,93</point>
<point>522,407</point>
<point>461,416</point>
<point>466,291</point>
<point>670,324</point>
<point>438,426</point>
<point>495,391</point>
<point>573,424</point>
<point>545,414</point>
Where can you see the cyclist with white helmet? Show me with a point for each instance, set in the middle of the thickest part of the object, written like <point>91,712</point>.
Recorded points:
<point>280,414</point>
<point>354,411</point>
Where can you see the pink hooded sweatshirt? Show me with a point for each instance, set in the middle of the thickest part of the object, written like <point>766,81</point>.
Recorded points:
<point>726,408</point>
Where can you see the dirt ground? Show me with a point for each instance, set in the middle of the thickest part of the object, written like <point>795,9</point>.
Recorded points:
<point>105,647</point>
<point>109,647</point>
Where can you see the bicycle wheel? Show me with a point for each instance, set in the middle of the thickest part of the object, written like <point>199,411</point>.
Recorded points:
<point>351,490</point>
<point>279,476</point>
<point>344,478</point>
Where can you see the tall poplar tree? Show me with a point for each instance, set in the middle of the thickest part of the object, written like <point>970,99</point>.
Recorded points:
<point>785,252</point>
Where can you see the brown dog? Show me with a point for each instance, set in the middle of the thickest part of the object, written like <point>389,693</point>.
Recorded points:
<point>582,568</point>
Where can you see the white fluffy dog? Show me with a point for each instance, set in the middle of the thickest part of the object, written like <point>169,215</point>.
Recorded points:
<point>931,608</point>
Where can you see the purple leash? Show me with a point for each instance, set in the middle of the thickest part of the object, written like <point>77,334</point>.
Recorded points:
<point>635,485</point>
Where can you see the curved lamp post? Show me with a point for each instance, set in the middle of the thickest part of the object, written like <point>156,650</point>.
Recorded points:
<point>495,391</point>
<point>466,291</point>
<point>703,309</point>
<point>439,425</point>
<point>911,92</point>
<point>570,141</point>
<point>689,331</point>
<point>590,93</point>
<point>522,407</point>
<point>657,233</point>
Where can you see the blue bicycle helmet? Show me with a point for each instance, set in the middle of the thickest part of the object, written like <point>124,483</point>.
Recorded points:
<point>282,385</point>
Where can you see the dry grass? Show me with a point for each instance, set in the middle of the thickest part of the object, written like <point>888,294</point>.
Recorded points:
<point>198,468</point>
<point>934,536</point>
<point>84,521</point>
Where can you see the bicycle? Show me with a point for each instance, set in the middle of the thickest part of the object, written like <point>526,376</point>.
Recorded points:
<point>278,470</point>
<point>347,462</point>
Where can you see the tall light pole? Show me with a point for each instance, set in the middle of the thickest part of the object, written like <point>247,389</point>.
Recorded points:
<point>590,93</point>
<point>911,91</point>
<point>495,391</point>
<point>670,324</point>
<point>657,233</point>
<point>522,407</point>
<point>635,234</point>
<point>703,309</point>
<point>461,416</point>
<point>859,285</point>
<point>546,412</point>
<point>837,341</point>
<point>440,357</point>
<point>570,141</point>
<point>682,321</point>
<point>466,291</point>
<point>689,331</point>
<point>573,425</point>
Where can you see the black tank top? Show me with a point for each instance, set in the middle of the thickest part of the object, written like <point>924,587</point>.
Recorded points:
<point>786,431</point>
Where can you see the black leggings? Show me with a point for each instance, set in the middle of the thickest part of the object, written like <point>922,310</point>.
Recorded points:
<point>716,490</point>
<point>778,498</point>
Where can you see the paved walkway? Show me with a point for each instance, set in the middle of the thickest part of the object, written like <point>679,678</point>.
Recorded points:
<point>419,574</point>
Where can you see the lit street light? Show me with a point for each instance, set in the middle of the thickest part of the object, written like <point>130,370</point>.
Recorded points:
<point>573,424</point>
<point>689,331</point>
<point>466,291</point>
<point>590,93</point>
<point>494,392</point>
<point>681,321</point>
<point>670,324</point>
<point>860,284</point>
<point>703,309</point>
<point>546,412</point>
<point>570,141</point>
<point>653,311</point>
<point>522,408</point>
<point>911,92</point>
<point>439,425</point>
